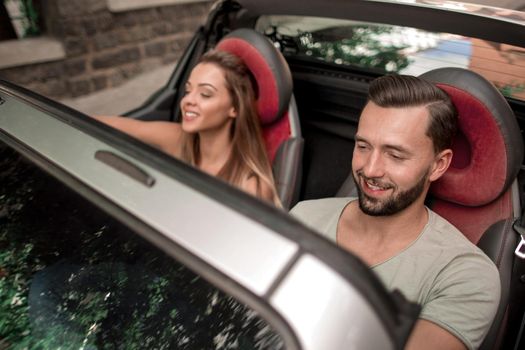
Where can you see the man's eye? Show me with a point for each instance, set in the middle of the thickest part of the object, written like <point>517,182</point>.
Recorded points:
<point>396,156</point>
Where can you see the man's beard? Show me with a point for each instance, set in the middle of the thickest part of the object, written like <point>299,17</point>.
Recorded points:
<point>391,205</point>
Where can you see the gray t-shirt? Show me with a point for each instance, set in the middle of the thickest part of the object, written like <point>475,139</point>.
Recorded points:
<point>456,284</point>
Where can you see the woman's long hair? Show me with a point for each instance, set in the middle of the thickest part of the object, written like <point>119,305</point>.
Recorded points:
<point>248,156</point>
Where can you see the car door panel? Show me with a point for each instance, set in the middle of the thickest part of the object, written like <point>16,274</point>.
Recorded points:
<point>245,247</point>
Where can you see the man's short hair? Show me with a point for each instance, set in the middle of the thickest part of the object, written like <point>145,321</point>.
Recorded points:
<point>409,91</point>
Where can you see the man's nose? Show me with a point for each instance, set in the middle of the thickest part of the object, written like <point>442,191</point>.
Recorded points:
<point>374,165</point>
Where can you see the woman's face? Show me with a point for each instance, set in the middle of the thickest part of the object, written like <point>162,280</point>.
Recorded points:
<point>207,104</point>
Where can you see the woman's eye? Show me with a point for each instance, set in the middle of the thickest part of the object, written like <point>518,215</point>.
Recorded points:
<point>205,95</point>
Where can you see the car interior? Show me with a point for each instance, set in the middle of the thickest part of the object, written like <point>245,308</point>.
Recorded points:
<point>487,158</point>
<point>277,111</point>
<point>311,147</point>
<point>309,109</point>
<point>480,198</point>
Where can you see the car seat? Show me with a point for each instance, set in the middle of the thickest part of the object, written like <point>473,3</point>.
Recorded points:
<point>479,193</point>
<point>276,106</point>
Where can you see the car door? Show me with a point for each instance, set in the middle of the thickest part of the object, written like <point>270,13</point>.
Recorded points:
<point>107,242</point>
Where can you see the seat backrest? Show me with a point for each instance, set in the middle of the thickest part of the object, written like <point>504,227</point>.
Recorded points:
<point>276,107</point>
<point>479,192</point>
<point>476,191</point>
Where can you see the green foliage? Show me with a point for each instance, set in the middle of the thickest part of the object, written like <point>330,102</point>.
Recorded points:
<point>16,262</point>
<point>30,13</point>
<point>13,292</point>
<point>72,278</point>
<point>29,17</point>
<point>510,90</point>
<point>355,45</point>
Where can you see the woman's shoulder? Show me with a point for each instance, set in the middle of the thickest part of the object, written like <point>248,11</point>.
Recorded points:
<point>167,136</point>
<point>252,184</point>
<point>258,188</point>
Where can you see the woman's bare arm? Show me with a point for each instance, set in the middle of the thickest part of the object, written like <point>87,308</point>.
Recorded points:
<point>161,134</point>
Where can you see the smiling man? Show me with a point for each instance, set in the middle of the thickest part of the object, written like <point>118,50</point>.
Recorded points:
<point>403,144</point>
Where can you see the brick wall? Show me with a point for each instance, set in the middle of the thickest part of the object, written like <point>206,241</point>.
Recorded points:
<point>103,48</point>
<point>509,73</point>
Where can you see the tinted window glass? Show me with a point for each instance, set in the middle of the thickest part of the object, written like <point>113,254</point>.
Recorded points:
<point>397,49</point>
<point>71,277</point>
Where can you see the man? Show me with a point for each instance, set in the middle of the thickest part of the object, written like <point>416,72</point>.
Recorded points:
<point>402,145</point>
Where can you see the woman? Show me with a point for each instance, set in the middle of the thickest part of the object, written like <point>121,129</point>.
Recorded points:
<point>220,131</point>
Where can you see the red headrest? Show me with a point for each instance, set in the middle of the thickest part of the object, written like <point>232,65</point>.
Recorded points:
<point>488,149</point>
<point>269,68</point>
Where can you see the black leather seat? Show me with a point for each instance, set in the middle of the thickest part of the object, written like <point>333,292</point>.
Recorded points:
<point>276,105</point>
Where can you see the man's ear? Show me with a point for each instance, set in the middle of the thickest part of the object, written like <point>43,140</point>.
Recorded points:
<point>441,164</point>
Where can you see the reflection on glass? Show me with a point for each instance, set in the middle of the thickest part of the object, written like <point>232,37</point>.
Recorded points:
<point>72,278</point>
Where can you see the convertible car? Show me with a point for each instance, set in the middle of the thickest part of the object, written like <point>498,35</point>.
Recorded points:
<point>106,242</point>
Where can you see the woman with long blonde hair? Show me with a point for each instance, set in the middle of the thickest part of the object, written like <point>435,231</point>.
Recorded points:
<point>220,130</point>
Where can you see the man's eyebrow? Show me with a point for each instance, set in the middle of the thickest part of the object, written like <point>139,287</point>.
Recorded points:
<point>359,139</point>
